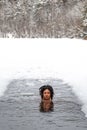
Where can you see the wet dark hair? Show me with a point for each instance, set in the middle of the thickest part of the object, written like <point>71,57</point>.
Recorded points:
<point>41,90</point>
<point>51,107</point>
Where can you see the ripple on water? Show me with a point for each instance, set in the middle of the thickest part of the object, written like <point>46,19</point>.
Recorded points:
<point>19,107</point>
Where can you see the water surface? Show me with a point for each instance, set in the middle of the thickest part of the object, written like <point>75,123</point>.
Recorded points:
<point>19,107</point>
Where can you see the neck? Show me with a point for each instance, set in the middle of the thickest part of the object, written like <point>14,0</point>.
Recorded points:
<point>48,100</point>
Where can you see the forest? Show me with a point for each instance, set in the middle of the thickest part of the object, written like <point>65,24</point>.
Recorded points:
<point>43,19</point>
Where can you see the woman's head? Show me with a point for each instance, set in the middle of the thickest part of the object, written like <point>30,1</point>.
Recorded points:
<point>46,92</point>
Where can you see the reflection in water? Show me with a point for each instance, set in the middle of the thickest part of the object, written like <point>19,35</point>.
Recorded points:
<point>46,106</point>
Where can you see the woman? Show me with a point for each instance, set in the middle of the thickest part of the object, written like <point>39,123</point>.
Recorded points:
<point>46,93</point>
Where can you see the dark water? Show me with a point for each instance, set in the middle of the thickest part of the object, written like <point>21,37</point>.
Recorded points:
<point>19,107</point>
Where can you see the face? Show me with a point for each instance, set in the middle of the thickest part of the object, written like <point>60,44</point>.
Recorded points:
<point>46,94</point>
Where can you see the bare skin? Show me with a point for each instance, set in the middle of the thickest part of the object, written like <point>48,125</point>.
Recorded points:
<point>46,100</point>
<point>46,104</point>
<point>46,95</point>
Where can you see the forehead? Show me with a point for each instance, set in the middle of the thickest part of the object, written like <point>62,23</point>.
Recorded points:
<point>46,90</point>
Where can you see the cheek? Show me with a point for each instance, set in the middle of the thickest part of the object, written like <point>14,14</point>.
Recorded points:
<point>49,94</point>
<point>44,94</point>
